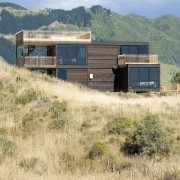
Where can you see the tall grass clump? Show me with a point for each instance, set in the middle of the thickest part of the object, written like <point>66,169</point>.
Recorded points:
<point>150,137</point>
<point>28,96</point>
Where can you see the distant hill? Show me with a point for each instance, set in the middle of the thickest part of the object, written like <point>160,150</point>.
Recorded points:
<point>7,50</point>
<point>12,5</point>
<point>162,33</point>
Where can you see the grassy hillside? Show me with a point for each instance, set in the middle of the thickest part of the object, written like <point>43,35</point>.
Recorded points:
<point>167,72</point>
<point>50,129</point>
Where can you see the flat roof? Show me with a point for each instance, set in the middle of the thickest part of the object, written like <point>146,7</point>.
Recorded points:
<point>120,43</point>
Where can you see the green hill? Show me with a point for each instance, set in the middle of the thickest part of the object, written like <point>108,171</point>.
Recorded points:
<point>162,33</point>
<point>11,5</point>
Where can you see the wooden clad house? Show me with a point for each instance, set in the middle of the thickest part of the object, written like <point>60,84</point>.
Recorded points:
<point>74,57</point>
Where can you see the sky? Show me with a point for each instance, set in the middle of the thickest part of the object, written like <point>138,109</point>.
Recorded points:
<point>148,8</point>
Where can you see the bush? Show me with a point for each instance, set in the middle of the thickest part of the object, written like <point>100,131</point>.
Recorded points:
<point>121,126</point>
<point>149,138</point>
<point>28,164</point>
<point>57,123</point>
<point>27,96</point>
<point>98,149</point>
<point>59,107</point>
<point>176,78</point>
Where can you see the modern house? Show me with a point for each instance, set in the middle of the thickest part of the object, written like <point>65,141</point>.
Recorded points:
<point>74,57</point>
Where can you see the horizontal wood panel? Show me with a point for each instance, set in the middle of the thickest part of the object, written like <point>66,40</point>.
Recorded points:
<point>77,75</point>
<point>100,66</point>
<point>114,61</point>
<point>102,75</point>
<point>102,57</point>
<point>103,50</point>
<point>94,47</point>
<point>103,53</point>
<point>102,86</point>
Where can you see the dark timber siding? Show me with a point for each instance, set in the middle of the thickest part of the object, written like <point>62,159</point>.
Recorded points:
<point>77,76</point>
<point>102,56</point>
<point>100,60</point>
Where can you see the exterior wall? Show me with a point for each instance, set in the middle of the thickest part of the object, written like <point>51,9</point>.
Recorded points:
<point>78,76</point>
<point>100,60</point>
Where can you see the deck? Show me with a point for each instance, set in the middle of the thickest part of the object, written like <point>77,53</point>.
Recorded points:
<point>137,59</point>
<point>50,37</point>
<point>37,62</point>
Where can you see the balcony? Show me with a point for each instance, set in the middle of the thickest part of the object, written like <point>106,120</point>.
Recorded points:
<point>36,62</point>
<point>50,37</point>
<point>137,59</point>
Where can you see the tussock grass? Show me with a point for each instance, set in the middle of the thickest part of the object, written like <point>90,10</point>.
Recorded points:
<point>58,124</point>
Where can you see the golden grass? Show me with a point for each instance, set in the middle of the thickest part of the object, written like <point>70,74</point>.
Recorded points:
<point>62,153</point>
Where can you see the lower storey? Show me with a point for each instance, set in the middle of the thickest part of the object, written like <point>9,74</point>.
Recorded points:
<point>136,78</point>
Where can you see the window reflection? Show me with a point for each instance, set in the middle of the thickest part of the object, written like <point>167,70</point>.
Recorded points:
<point>144,78</point>
<point>72,54</point>
<point>141,50</point>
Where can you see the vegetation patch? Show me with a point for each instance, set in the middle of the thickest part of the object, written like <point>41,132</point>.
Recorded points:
<point>121,126</point>
<point>29,164</point>
<point>150,137</point>
<point>59,107</point>
<point>176,78</point>
<point>98,149</point>
<point>7,148</point>
<point>58,123</point>
<point>28,96</point>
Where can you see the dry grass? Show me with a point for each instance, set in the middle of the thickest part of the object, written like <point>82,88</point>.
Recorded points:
<point>62,153</point>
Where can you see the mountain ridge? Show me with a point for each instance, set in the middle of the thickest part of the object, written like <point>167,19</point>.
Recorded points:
<point>162,33</point>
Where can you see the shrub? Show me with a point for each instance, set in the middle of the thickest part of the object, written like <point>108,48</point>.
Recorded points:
<point>121,126</point>
<point>27,96</point>
<point>176,78</point>
<point>162,94</point>
<point>59,107</point>
<point>28,164</point>
<point>98,149</point>
<point>57,123</point>
<point>149,138</point>
<point>7,148</point>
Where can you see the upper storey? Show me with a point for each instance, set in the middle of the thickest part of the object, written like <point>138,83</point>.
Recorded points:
<point>44,38</point>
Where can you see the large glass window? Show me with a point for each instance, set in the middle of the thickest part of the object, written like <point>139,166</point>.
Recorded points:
<point>133,50</point>
<point>141,49</point>
<point>142,78</point>
<point>125,50</point>
<point>62,54</point>
<point>72,54</point>
<point>134,74</point>
<point>62,74</point>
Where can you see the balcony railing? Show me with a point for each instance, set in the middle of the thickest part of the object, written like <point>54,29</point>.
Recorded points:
<point>50,36</point>
<point>37,62</point>
<point>137,59</point>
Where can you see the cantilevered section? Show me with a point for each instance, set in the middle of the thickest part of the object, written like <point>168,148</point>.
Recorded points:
<point>137,59</point>
<point>49,37</point>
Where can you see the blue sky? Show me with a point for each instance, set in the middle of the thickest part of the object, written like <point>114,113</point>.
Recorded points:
<point>148,8</point>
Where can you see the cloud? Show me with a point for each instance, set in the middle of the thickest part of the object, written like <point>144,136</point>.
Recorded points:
<point>149,8</point>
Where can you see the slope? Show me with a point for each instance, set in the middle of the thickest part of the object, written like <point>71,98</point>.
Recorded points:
<point>49,130</point>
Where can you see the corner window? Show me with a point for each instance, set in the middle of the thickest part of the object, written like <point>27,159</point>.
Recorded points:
<point>143,78</point>
<point>72,54</point>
